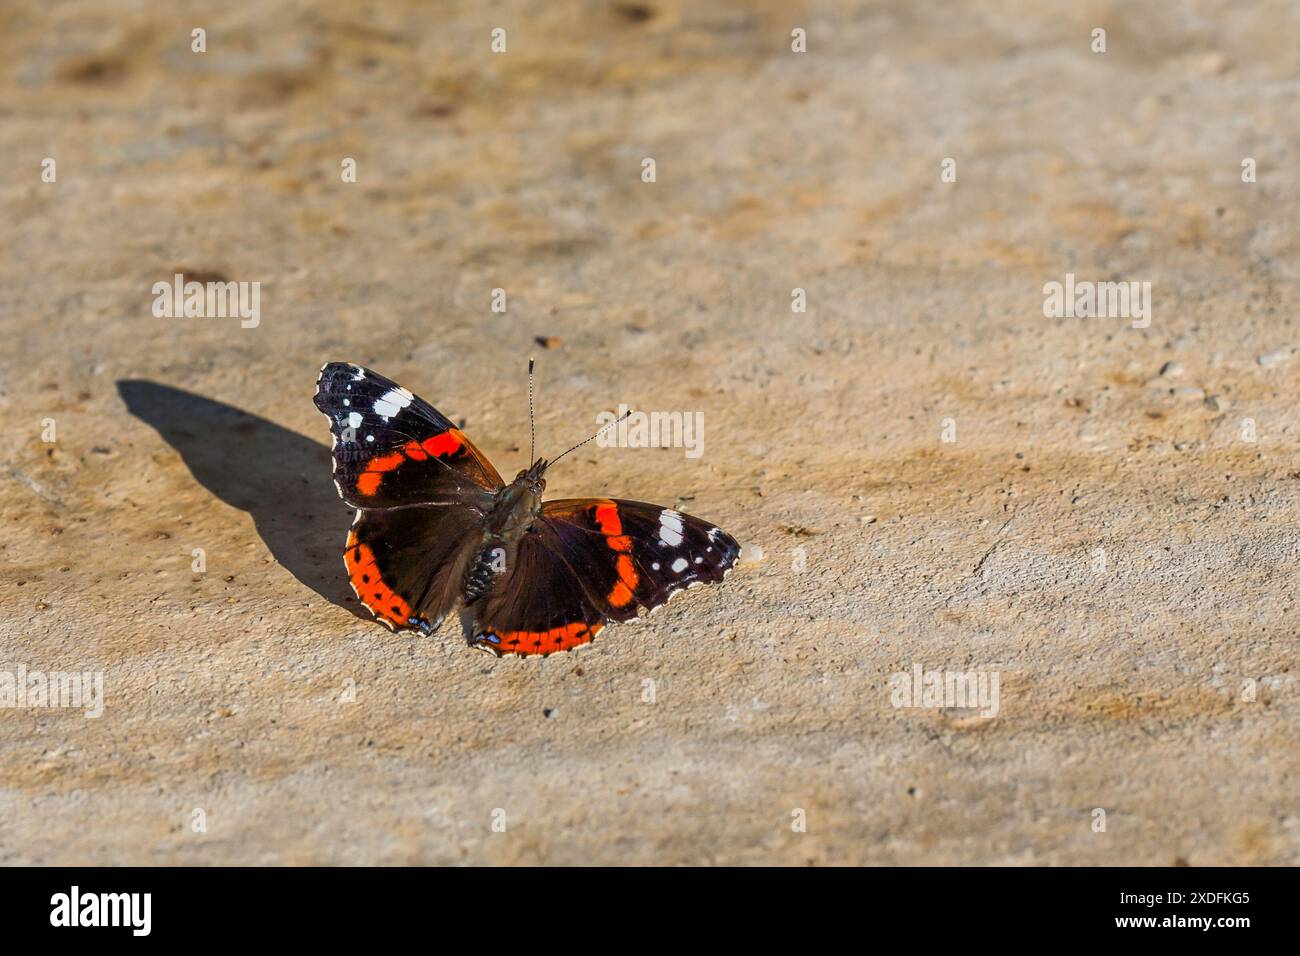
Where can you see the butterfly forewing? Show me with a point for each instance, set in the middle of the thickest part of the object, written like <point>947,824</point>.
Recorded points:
<point>609,559</point>
<point>392,449</point>
<point>422,490</point>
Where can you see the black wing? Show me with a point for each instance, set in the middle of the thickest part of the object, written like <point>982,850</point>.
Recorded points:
<point>589,561</point>
<point>407,565</point>
<point>392,449</point>
<point>421,488</point>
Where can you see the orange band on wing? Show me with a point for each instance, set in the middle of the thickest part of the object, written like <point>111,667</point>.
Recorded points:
<point>368,480</point>
<point>611,525</point>
<point>438,446</point>
<point>541,642</point>
<point>620,595</point>
<point>382,600</point>
<point>444,444</point>
<point>608,519</point>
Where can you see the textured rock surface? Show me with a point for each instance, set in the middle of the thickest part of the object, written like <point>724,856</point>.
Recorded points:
<point>1122,680</point>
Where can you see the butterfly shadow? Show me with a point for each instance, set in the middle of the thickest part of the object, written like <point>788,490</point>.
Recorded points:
<point>280,478</point>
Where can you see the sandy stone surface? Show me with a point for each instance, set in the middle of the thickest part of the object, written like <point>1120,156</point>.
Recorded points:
<point>1112,532</point>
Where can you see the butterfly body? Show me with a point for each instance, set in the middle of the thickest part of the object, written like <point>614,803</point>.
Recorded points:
<point>436,528</point>
<point>517,508</point>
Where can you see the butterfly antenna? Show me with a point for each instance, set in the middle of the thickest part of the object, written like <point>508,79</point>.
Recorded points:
<point>593,437</point>
<point>532,421</point>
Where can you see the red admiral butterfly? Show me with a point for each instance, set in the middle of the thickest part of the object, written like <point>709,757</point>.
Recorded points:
<point>436,527</point>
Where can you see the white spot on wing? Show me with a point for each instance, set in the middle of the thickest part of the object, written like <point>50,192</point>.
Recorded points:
<point>354,420</point>
<point>679,565</point>
<point>670,528</point>
<point>392,401</point>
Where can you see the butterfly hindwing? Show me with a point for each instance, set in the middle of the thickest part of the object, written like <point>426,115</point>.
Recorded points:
<point>588,561</point>
<point>541,604</point>
<point>392,449</point>
<point>407,565</point>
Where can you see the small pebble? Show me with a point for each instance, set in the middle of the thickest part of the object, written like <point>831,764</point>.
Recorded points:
<point>1213,63</point>
<point>1276,357</point>
<point>1171,369</point>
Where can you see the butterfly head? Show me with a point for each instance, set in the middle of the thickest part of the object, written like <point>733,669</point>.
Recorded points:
<point>531,478</point>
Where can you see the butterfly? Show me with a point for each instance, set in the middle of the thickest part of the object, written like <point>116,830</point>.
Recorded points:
<point>437,529</point>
